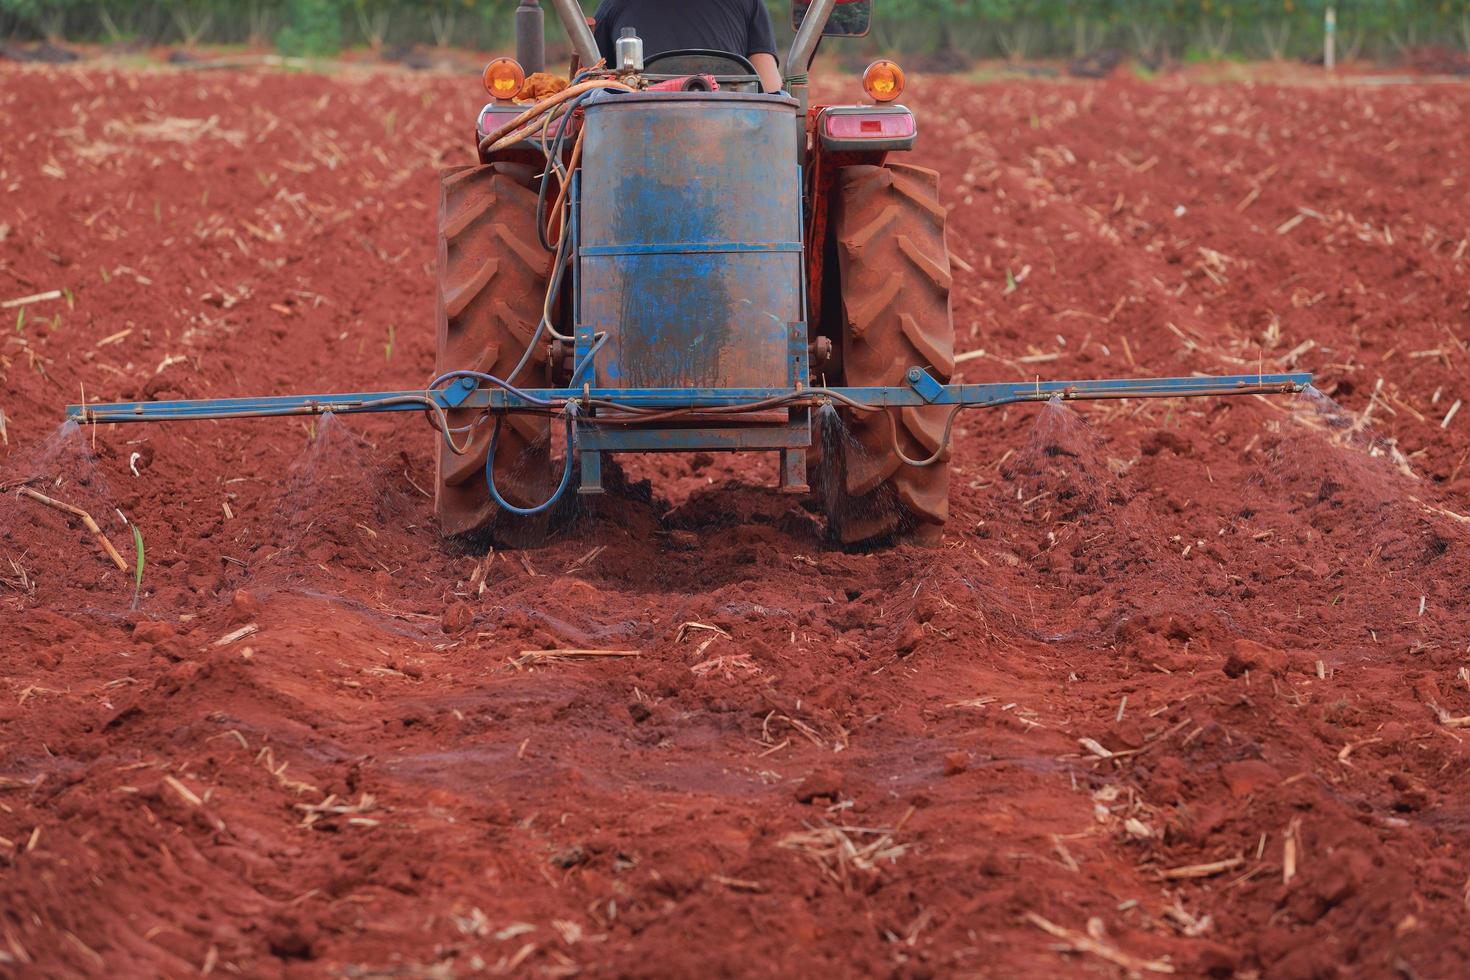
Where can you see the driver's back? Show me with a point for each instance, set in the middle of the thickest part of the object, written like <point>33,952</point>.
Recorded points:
<point>740,27</point>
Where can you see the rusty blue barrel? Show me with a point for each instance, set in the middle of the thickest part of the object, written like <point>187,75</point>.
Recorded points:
<point>690,239</point>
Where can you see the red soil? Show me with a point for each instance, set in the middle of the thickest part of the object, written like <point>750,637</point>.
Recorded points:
<point>1158,635</point>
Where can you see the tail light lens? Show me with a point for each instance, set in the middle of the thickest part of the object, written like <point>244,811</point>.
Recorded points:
<point>497,114</point>
<point>888,124</point>
<point>883,81</point>
<point>504,79</point>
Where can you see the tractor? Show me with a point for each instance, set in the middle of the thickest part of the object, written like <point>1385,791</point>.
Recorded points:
<point>656,256</point>
<point>725,239</point>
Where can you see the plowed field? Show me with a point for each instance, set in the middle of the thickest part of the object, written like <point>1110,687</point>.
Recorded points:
<point>1183,690</point>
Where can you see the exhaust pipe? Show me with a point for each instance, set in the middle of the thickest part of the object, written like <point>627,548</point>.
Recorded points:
<point>531,36</point>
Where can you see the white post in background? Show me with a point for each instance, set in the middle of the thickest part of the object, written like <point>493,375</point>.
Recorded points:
<point>1329,39</point>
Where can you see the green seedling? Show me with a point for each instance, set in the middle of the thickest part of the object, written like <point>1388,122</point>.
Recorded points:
<point>138,571</point>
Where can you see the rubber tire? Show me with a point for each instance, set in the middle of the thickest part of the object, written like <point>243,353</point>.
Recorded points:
<point>492,279</point>
<point>895,280</point>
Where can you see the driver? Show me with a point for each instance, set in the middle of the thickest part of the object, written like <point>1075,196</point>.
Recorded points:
<point>737,26</point>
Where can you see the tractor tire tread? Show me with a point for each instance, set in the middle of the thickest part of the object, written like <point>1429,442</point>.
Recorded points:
<point>493,275</point>
<point>896,279</point>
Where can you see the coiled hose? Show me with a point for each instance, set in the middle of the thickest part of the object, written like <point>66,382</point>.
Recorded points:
<point>566,470</point>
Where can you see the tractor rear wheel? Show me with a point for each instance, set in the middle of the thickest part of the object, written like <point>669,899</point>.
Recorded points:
<point>894,276</point>
<point>493,276</point>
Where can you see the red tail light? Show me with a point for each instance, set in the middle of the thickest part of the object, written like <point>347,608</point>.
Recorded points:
<point>865,125</point>
<point>495,115</point>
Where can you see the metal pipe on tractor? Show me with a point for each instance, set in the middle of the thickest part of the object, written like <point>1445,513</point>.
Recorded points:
<point>643,261</point>
<point>531,36</point>
<point>574,22</point>
<point>808,33</point>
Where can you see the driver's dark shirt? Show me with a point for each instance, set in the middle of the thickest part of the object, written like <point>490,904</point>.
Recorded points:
<point>738,26</point>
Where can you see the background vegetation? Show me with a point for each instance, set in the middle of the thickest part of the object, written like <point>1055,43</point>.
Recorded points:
<point>945,30</point>
<point>1181,29</point>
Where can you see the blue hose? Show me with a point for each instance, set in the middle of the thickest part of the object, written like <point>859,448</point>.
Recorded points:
<point>566,473</point>
<point>586,360</point>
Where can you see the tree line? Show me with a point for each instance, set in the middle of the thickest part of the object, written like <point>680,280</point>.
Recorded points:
<point>1181,29</point>
<point>950,30</point>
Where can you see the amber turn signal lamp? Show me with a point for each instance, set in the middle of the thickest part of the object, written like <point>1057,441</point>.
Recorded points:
<point>504,79</point>
<point>883,81</point>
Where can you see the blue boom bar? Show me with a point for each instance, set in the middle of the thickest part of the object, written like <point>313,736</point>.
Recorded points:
<point>923,389</point>
<point>676,423</point>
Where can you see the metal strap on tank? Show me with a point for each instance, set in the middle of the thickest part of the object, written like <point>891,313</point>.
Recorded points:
<point>699,248</point>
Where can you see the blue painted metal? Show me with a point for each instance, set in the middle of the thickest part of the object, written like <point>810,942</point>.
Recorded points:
<point>455,394</point>
<point>690,239</point>
<point>798,355</point>
<point>591,439</point>
<point>690,248</point>
<point>591,472</point>
<point>709,436</point>
<point>793,459</point>
<point>582,333</point>
<point>925,384</point>
<point>494,399</point>
<point>793,471</point>
<point>273,406</point>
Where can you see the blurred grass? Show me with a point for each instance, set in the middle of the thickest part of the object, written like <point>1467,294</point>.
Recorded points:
<point>935,34</point>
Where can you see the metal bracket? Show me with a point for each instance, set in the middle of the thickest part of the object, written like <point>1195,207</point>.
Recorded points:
<point>793,471</point>
<point>796,347</point>
<point>459,392</point>
<point>591,472</point>
<point>925,384</point>
<point>584,339</point>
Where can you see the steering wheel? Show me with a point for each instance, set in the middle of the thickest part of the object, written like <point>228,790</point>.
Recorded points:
<point>731,70</point>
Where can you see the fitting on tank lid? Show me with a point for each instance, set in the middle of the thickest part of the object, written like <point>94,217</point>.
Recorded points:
<point>630,50</point>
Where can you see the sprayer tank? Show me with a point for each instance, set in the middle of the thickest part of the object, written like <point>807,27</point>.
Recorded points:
<point>690,253</point>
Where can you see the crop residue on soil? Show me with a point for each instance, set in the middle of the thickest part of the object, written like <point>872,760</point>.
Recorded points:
<point>1184,686</point>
